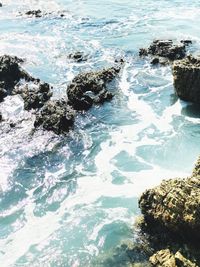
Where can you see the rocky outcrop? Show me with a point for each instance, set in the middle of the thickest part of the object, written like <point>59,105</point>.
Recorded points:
<point>165,51</point>
<point>165,258</point>
<point>34,94</point>
<point>56,116</point>
<point>175,204</point>
<point>186,75</point>
<point>89,88</point>
<point>172,219</point>
<point>10,74</point>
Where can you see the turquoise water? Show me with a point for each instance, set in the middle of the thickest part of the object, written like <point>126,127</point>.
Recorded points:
<point>70,201</point>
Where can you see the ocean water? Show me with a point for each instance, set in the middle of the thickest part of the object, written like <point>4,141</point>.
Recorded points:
<point>71,201</point>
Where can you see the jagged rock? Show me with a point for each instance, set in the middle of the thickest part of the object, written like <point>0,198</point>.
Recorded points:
<point>55,116</point>
<point>176,205</point>
<point>165,258</point>
<point>186,75</point>
<point>89,88</point>
<point>166,49</point>
<point>78,57</point>
<point>10,74</point>
<point>34,94</point>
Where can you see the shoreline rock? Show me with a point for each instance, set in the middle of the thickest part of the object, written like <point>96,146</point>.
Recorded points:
<point>165,51</point>
<point>172,219</point>
<point>56,116</point>
<point>90,88</point>
<point>186,75</point>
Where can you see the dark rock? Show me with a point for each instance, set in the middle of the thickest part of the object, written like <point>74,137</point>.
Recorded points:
<point>34,13</point>
<point>143,52</point>
<point>1,5</point>
<point>175,204</point>
<point>10,74</point>
<point>155,61</point>
<point>187,79</point>
<point>166,49</point>
<point>186,42</point>
<point>78,57</point>
<point>34,94</point>
<point>55,116</point>
<point>89,88</point>
<point>165,258</point>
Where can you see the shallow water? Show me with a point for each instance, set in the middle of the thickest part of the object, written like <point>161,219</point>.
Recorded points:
<point>70,201</point>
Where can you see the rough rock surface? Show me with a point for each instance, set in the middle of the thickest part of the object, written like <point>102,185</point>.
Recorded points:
<point>165,258</point>
<point>55,116</point>
<point>10,74</point>
<point>165,51</point>
<point>186,75</point>
<point>89,88</point>
<point>34,94</point>
<point>78,57</point>
<point>175,204</point>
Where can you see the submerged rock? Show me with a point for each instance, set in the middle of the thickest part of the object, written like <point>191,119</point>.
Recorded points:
<point>10,74</point>
<point>165,49</point>
<point>165,258</point>
<point>89,88</point>
<point>55,116</point>
<point>186,75</point>
<point>78,57</point>
<point>39,13</point>
<point>34,94</point>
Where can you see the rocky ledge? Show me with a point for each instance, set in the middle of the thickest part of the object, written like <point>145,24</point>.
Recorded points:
<point>172,220</point>
<point>89,88</point>
<point>165,51</point>
<point>186,75</point>
<point>56,116</point>
<point>85,90</point>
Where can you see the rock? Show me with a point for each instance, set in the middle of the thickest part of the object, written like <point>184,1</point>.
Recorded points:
<point>166,49</point>
<point>165,258</point>
<point>34,94</point>
<point>55,116</point>
<point>175,204</point>
<point>78,57</point>
<point>10,74</point>
<point>1,5</point>
<point>89,88</point>
<point>186,75</point>
<point>155,61</point>
<point>34,13</point>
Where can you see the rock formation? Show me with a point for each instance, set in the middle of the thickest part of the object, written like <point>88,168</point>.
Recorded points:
<point>55,116</point>
<point>165,51</point>
<point>186,75</point>
<point>89,88</point>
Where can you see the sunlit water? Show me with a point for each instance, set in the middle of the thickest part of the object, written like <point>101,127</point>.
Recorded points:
<point>70,201</point>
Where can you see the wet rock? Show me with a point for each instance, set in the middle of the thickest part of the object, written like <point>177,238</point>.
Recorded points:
<point>89,88</point>
<point>186,75</point>
<point>166,49</point>
<point>55,116</point>
<point>34,94</point>
<point>78,57</point>
<point>155,61</point>
<point>34,13</point>
<point>10,74</point>
<point>175,204</point>
<point>165,258</point>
